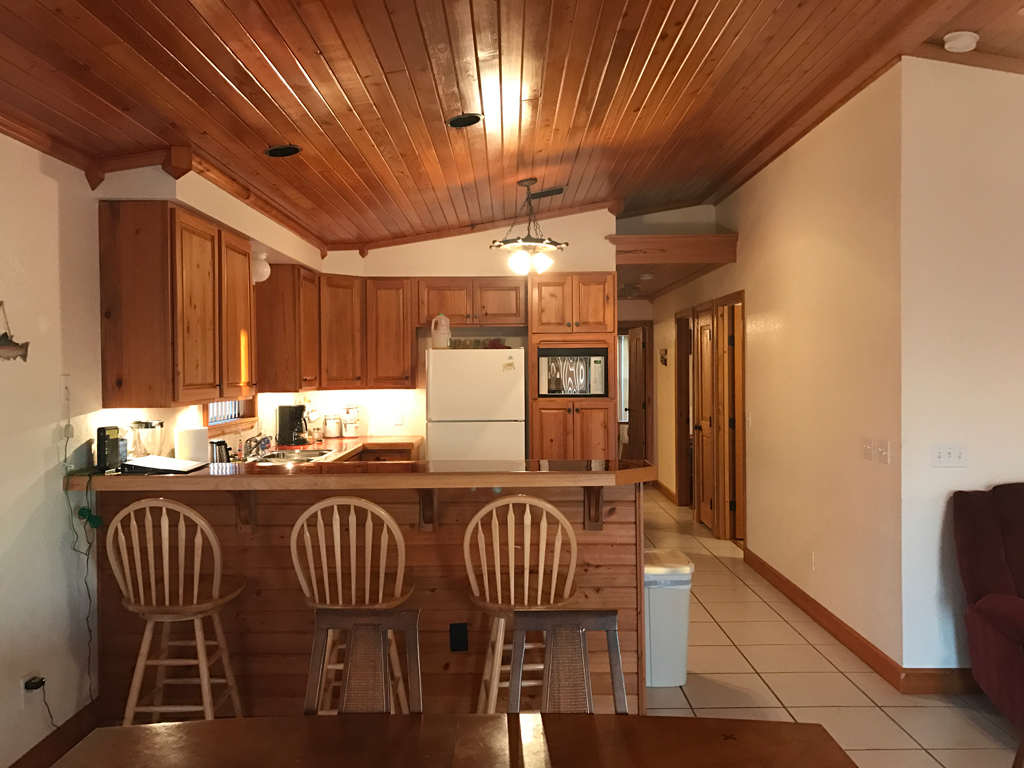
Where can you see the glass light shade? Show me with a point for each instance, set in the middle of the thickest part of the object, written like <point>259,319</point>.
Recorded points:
<point>542,262</point>
<point>260,268</point>
<point>519,262</point>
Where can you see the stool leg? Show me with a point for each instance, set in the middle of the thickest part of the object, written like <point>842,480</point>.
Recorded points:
<point>330,675</point>
<point>499,645</point>
<point>481,701</point>
<point>204,669</point>
<point>396,673</point>
<point>140,671</point>
<point>229,673</point>
<point>161,671</point>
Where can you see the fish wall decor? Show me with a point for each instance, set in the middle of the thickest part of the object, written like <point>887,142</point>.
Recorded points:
<point>9,348</point>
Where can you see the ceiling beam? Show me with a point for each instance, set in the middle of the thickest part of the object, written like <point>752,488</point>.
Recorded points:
<point>675,249</point>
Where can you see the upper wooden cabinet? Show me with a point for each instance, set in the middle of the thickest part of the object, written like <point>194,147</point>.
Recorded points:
<point>390,334</point>
<point>578,303</point>
<point>481,301</point>
<point>573,429</point>
<point>238,318</point>
<point>176,307</point>
<point>288,330</point>
<point>342,332</point>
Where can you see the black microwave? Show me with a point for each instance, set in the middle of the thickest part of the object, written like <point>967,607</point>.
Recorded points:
<point>573,372</point>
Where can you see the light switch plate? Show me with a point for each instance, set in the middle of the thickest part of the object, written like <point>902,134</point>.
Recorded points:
<point>881,451</point>
<point>949,454</point>
<point>868,448</point>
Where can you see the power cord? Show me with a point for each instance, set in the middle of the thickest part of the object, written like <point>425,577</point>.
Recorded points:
<point>49,712</point>
<point>90,522</point>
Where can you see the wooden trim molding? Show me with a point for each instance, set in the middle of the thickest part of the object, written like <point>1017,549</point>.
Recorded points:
<point>59,742</point>
<point>717,248</point>
<point>666,492</point>
<point>904,680</point>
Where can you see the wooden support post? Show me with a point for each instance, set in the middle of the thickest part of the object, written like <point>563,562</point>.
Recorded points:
<point>593,508</point>
<point>245,504</point>
<point>428,508</point>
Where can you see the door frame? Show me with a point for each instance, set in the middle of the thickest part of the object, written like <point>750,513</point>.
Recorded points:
<point>624,327</point>
<point>684,459</point>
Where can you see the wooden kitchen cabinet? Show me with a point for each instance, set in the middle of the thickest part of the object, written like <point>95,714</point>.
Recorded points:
<point>176,307</point>
<point>342,332</point>
<point>577,303</point>
<point>480,301</point>
<point>572,429</point>
<point>288,330</point>
<point>390,334</point>
<point>238,318</point>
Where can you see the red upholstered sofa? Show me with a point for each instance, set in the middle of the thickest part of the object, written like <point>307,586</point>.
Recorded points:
<point>989,531</point>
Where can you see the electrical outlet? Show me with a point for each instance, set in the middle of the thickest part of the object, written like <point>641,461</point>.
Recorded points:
<point>881,450</point>
<point>949,454</point>
<point>399,418</point>
<point>28,695</point>
<point>868,448</point>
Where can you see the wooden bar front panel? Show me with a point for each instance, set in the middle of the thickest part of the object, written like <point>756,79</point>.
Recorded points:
<point>269,628</point>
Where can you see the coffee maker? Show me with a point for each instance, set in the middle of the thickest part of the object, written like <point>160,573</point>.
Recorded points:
<point>291,425</point>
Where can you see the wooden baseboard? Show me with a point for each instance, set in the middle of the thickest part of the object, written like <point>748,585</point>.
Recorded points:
<point>670,495</point>
<point>910,681</point>
<point>59,742</point>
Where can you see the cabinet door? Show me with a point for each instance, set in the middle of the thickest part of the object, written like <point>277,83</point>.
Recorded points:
<point>197,337</point>
<point>389,333</point>
<point>551,430</point>
<point>594,302</point>
<point>309,329</point>
<point>499,301</point>
<point>592,429</point>
<point>342,354</point>
<point>452,297</point>
<point>237,318</point>
<point>551,305</point>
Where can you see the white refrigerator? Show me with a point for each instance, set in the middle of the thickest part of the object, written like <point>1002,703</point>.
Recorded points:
<point>476,404</point>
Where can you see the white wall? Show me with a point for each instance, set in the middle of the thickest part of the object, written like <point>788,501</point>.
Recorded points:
<point>963,352</point>
<point>819,259</point>
<point>49,283</point>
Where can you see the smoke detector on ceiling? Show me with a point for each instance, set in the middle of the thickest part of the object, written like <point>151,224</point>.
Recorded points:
<point>960,42</point>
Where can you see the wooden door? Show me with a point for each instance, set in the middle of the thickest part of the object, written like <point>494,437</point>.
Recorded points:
<point>197,337</point>
<point>237,318</point>
<point>636,430</point>
<point>450,296</point>
<point>703,406</point>
<point>342,324</point>
<point>594,302</point>
<point>684,454</point>
<point>593,427</point>
<point>499,301</point>
<point>551,430</point>
<point>389,333</point>
<point>309,329</point>
<point>551,304</point>
<point>740,431</point>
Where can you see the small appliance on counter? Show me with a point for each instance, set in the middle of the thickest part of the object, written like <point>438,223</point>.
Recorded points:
<point>332,426</point>
<point>291,425</point>
<point>147,438</point>
<point>441,332</point>
<point>219,452</point>
<point>111,449</point>
<point>350,421</point>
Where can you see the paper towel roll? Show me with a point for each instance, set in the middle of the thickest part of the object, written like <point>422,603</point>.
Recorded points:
<point>192,444</point>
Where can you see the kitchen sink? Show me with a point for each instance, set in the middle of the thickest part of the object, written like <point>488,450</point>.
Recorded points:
<point>291,457</point>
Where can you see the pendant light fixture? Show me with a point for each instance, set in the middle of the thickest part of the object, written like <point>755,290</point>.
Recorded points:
<point>529,251</point>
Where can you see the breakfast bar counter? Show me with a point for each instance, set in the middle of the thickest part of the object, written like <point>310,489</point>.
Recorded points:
<point>252,508</point>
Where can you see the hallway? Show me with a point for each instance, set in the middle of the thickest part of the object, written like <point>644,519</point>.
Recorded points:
<point>754,654</point>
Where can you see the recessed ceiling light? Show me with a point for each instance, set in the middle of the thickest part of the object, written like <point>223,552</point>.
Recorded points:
<point>646,276</point>
<point>464,120</point>
<point>960,42</point>
<point>282,150</point>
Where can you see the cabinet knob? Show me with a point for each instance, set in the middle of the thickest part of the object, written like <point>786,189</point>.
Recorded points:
<point>359,378</point>
<point>568,410</point>
<point>467,317</point>
<point>406,378</point>
<point>568,325</point>
<point>476,315</point>
<point>577,410</point>
<point>577,325</point>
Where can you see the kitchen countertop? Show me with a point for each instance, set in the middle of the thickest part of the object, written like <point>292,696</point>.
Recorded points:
<point>350,446</point>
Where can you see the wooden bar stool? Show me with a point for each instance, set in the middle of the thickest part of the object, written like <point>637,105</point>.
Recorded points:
<point>542,579</point>
<point>343,568</point>
<point>165,578</point>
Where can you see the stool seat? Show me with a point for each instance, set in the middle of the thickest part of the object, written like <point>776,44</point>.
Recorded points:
<point>231,587</point>
<point>505,610</point>
<point>388,604</point>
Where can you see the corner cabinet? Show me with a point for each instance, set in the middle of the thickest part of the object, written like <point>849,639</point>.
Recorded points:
<point>572,429</point>
<point>577,303</point>
<point>342,332</point>
<point>175,301</point>
<point>288,329</point>
<point>390,334</point>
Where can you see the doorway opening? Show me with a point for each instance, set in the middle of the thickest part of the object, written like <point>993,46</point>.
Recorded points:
<point>636,389</point>
<point>711,415</point>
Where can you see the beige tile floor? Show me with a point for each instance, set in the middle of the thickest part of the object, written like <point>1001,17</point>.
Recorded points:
<point>753,654</point>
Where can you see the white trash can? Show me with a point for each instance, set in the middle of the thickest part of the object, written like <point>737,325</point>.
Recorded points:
<point>668,574</point>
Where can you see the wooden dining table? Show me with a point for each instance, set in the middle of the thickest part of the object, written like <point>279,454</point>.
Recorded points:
<point>528,740</point>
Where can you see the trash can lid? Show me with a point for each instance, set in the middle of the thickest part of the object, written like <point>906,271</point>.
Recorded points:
<point>667,562</point>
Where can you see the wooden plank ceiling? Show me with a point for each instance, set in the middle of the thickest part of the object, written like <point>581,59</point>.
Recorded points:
<point>647,104</point>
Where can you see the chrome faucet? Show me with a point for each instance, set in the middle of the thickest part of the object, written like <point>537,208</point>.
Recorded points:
<point>254,447</point>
